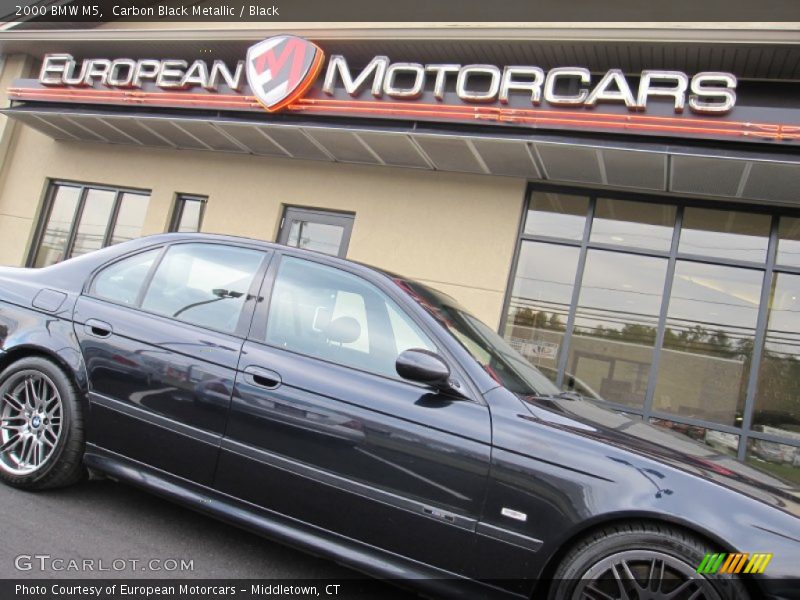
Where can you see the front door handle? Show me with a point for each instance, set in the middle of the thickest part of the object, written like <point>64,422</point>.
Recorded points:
<point>261,377</point>
<point>98,328</point>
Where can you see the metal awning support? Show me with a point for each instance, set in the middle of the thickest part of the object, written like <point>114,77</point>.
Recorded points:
<point>629,165</point>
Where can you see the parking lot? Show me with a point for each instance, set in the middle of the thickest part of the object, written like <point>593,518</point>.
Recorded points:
<point>115,522</point>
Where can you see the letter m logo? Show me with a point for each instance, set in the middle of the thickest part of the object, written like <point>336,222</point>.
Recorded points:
<point>280,69</point>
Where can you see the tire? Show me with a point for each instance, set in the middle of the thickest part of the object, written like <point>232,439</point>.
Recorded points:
<point>588,566</point>
<point>41,426</point>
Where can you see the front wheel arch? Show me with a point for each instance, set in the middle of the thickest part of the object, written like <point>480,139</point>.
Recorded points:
<point>541,589</point>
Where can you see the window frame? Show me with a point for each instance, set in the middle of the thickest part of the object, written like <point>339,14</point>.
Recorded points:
<point>768,267</point>
<point>258,328</point>
<point>245,318</point>
<point>51,188</point>
<point>343,219</point>
<point>179,206</point>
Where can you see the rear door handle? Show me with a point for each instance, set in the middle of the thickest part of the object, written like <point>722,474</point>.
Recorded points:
<point>261,377</point>
<point>98,328</point>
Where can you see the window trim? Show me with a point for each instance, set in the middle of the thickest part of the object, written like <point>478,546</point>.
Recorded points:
<point>348,221</point>
<point>178,207</point>
<point>51,187</point>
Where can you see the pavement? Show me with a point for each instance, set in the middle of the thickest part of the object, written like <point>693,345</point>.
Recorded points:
<point>108,521</point>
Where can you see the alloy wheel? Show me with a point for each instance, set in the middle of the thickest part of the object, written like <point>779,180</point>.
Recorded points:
<point>643,575</point>
<point>30,422</point>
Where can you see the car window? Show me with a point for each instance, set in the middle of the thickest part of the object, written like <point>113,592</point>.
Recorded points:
<point>330,314</point>
<point>122,281</point>
<point>203,284</point>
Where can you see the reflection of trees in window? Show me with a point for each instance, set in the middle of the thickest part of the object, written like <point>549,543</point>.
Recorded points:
<point>539,319</point>
<point>698,339</point>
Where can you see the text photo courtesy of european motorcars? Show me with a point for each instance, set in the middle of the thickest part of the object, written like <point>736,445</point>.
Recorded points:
<point>363,416</point>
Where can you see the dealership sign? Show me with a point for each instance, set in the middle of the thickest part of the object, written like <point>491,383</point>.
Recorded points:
<point>280,68</point>
<point>285,73</point>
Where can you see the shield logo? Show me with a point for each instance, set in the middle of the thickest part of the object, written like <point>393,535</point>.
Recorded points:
<point>280,69</point>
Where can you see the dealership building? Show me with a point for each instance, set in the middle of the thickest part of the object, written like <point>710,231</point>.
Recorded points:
<point>621,202</point>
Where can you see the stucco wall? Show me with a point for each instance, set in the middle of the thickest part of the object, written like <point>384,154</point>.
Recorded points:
<point>454,231</point>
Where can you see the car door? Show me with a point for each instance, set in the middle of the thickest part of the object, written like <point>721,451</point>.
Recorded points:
<point>323,429</point>
<point>161,332</point>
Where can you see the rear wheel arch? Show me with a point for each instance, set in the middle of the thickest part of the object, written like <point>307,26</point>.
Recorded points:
<point>76,374</point>
<point>591,528</point>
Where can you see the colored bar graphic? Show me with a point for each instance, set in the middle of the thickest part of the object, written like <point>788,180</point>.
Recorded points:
<point>724,563</point>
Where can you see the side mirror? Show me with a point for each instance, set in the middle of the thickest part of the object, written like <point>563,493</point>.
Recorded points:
<point>423,366</point>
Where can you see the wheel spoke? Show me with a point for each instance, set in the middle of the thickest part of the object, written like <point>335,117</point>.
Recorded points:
<point>30,395</point>
<point>14,402</point>
<point>8,426</point>
<point>629,574</point>
<point>11,444</point>
<point>698,593</point>
<point>28,460</point>
<point>50,432</point>
<point>680,589</point>
<point>596,593</point>
<point>656,575</point>
<point>620,583</point>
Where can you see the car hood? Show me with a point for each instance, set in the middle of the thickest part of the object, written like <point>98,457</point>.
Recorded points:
<point>590,419</point>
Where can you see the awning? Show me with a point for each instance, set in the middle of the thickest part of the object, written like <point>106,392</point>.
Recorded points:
<point>736,174</point>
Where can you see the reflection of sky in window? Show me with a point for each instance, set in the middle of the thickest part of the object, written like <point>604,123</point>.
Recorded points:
<point>319,237</point>
<point>132,211</point>
<point>620,289</point>
<point>783,333</point>
<point>634,224</point>
<point>190,216</point>
<point>789,244</point>
<point>557,215</point>
<point>546,273</point>
<point>94,220</point>
<point>726,234</point>
<point>715,296</point>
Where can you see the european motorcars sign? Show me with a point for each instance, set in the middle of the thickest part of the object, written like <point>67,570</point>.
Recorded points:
<point>289,74</point>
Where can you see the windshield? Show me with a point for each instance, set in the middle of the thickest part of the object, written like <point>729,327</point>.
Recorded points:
<point>505,365</point>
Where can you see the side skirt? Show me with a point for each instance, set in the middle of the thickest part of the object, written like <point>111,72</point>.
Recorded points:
<point>308,538</point>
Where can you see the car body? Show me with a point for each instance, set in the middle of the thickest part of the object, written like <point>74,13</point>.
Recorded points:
<point>460,482</point>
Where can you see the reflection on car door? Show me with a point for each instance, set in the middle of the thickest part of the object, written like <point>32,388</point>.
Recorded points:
<point>161,333</point>
<point>322,429</point>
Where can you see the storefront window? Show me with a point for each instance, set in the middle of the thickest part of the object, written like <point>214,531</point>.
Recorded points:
<point>634,224</point>
<point>540,302</point>
<point>777,409</point>
<point>96,213</point>
<point>789,244</point>
<point>615,325</point>
<point>725,234</point>
<point>781,460</point>
<point>708,342</point>
<point>130,218</point>
<point>82,218</point>
<point>557,215</point>
<point>55,236</point>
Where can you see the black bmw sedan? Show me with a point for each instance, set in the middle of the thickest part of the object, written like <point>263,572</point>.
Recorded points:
<point>363,416</point>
